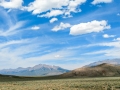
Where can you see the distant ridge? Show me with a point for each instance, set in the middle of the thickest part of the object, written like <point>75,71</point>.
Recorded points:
<point>109,61</point>
<point>101,70</point>
<point>37,70</point>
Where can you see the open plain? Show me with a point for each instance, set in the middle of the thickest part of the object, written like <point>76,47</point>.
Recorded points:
<point>37,83</point>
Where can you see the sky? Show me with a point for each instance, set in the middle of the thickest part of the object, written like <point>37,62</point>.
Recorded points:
<point>65,33</point>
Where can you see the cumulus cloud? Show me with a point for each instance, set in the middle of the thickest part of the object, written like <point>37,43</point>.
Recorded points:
<point>89,27</point>
<point>53,20</point>
<point>35,27</point>
<point>54,7</point>
<point>39,6</point>
<point>49,7</point>
<point>73,5</point>
<point>62,26</point>
<point>101,1</point>
<point>11,3</point>
<point>108,36</point>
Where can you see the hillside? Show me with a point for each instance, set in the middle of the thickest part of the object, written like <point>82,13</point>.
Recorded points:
<point>38,70</point>
<point>95,71</point>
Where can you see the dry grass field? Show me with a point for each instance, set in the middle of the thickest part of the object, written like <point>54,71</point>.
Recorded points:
<point>104,83</point>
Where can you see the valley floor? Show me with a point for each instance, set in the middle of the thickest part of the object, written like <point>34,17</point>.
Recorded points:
<point>103,83</point>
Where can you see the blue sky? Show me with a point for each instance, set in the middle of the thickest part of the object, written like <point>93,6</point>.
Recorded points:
<point>66,33</point>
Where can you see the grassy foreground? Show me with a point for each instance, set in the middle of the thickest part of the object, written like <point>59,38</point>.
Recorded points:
<point>104,83</point>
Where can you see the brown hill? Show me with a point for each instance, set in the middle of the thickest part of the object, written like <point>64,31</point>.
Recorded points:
<point>95,71</point>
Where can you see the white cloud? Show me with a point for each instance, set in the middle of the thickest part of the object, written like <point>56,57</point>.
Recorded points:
<point>64,54</point>
<point>117,39</point>
<point>52,13</point>
<point>39,6</point>
<point>9,25</point>
<point>62,26</point>
<point>108,36</point>
<point>14,53</point>
<point>113,51</point>
<point>73,5</point>
<point>13,42</point>
<point>111,44</point>
<point>35,28</point>
<point>58,56</point>
<point>115,43</point>
<point>89,27</point>
<point>101,1</point>
<point>53,20</point>
<point>11,54</point>
<point>13,29</point>
<point>11,3</point>
<point>51,7</point>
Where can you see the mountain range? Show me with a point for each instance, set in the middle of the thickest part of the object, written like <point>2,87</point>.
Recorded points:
<point>38,70</point>
<point>109,67</point>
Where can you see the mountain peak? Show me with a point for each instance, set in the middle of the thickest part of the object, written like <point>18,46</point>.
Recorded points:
<point>40,66</point>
